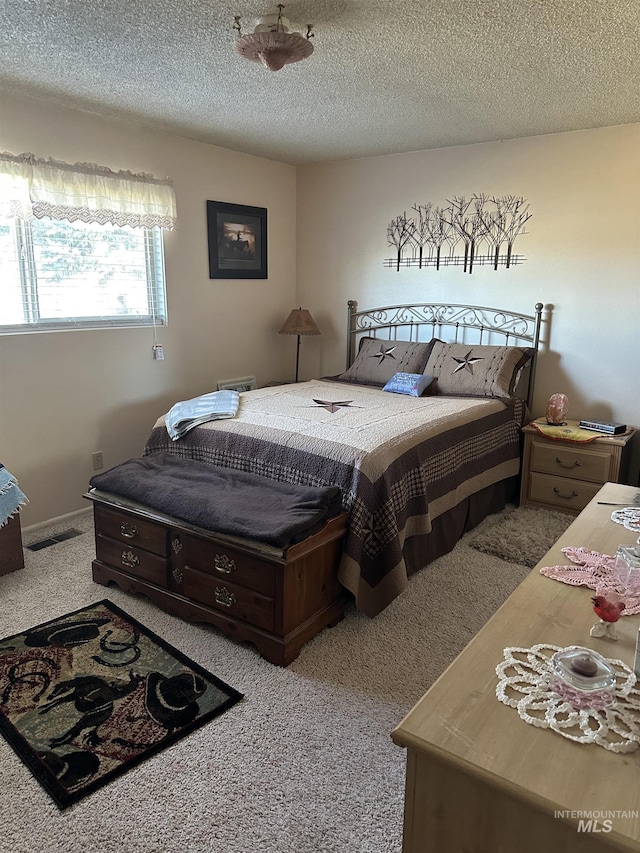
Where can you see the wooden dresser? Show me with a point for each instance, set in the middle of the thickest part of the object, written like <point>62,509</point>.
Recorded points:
<point>276,599</point>
<point>480,779</point>
<point>566,474</point>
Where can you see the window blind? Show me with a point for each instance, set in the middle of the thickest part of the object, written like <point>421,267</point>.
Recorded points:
<point>80,246</point>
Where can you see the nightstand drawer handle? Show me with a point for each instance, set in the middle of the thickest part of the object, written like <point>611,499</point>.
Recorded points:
<point>177,574</point>
<point>223,564</point>
<point>130,559</point>
<point>224,597</point>
<point>129,531</point>
<point>573,494</point>
<point>575,464</point>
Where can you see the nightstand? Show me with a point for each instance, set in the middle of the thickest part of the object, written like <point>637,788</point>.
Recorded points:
<point>565,475</point>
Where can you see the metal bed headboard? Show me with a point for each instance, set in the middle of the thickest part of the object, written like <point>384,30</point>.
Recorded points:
<point>425,321</point>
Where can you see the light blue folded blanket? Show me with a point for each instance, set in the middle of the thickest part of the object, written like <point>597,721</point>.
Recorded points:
<point>11,497</point>
<point>208,407</point>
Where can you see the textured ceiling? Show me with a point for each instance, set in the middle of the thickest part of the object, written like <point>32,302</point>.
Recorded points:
<point>384,78</point>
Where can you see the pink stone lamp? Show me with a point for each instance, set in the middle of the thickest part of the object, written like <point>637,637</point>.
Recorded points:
<point>557,409</point>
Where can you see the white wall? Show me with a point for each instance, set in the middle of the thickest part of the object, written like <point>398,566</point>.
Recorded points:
<point>64,395</point>
<point>582,251</point>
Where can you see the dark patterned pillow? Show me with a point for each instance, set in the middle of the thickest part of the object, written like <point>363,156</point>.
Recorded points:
<point>378,360</point>
<point>478,371</point>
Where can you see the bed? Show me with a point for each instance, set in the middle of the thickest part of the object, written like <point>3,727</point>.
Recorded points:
<point>415,472</point>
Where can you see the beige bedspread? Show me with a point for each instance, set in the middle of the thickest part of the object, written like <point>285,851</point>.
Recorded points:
<point>400,461</point>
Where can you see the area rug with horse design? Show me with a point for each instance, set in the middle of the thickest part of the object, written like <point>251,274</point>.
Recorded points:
<point>86,696</point>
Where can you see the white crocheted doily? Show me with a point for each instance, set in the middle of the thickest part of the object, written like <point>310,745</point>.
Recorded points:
<point>527,682</point>
<point>628,517</point>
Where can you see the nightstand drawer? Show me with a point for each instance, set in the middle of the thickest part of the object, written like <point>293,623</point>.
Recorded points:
<point>568,460</point>
<point>561,492</point>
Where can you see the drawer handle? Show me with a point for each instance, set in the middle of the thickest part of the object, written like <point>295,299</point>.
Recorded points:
<point>129,531</point>
<point>575,464</point>
<point>176,545</point>
<point>223,564</point>
<point>130,559</point>
<point>177,575</point>
<point>570,497</point>
<point>224,597</point>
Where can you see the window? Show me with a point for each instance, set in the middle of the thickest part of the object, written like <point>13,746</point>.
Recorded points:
<point>58,275</point>
<point>80,246</point>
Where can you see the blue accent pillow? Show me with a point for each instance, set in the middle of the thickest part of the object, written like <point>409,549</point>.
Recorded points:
<point>413,384</point>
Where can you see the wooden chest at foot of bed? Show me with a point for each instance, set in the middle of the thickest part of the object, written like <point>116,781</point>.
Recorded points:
<point>275,598</point>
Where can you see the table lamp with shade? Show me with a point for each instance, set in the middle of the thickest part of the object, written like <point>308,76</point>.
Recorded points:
<point>299,322</point>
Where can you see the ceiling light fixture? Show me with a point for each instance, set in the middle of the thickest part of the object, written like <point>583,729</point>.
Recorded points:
<point>274,41</point>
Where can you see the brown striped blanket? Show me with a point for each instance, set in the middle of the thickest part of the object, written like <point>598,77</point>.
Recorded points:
<point>400,462</point>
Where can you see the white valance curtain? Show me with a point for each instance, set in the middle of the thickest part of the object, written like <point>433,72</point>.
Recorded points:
<point>32,187</point>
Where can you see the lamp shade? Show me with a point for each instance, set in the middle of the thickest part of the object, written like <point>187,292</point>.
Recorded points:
<point>299,322</point>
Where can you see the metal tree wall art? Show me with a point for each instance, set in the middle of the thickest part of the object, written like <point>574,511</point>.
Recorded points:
<point>470,232</point>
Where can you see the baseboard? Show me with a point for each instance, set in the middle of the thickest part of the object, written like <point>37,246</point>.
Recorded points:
<point>59,519</point>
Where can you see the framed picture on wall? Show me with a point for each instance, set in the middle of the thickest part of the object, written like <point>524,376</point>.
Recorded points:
<point>237,240</point>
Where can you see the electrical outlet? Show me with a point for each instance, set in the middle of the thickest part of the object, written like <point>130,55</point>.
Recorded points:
<point>97,461</point>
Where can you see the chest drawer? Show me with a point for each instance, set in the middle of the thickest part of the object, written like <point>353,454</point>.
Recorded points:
<point>231,599</point>
<point>562,492</point>
<point>131,530</point>
<point>226,564</point>
<point>567,460</point>
<point>135,561</point>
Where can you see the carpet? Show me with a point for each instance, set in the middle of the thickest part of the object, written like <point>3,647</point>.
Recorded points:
<point>523,535</point>
<point>305,764</point>
<point>88,695</point>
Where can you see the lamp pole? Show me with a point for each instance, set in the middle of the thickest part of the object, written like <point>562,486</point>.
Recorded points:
<point>297,357</point>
